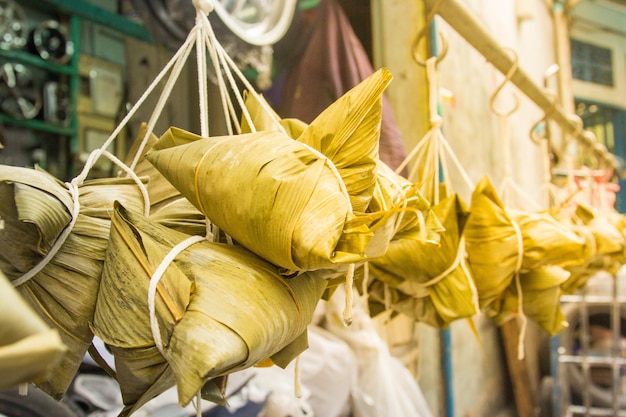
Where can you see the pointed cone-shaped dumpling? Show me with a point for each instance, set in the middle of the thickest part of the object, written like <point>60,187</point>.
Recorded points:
<point>348,132</point>
<point>220,308</point>
<point>274,195</point>
<point>541,299</point>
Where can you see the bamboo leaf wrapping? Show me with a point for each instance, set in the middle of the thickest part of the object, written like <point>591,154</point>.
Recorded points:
<point>64,292</point>
<point>547,241</point>
<point>348,132</point>
<point>491,242</point>
<point>541,289</point>
<point>410,263</point>
<point>494,246</point>
<point>604,245</point>
<point>29,349</point>
<point>273,195</point>
<point>220,309</point>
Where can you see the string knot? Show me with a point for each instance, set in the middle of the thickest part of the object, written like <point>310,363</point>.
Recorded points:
<point>436,121</point>
<point>204,6</point>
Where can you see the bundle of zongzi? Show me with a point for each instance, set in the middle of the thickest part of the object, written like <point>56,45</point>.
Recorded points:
<point>604,244</point>
<point>433,282</point>
<point>297,203</point>
<point>501,242</point>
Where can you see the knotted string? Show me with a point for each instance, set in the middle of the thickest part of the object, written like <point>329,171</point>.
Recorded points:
<point>440,150</point>
<point>73,188</point>
<point>435,145</point>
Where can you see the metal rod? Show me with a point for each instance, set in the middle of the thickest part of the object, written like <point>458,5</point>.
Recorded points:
<point>456,14</point>
<point>616,350</point>
<point>584,339</point>
<point>608,361</point>
<point>555,369</point>
<point>594,411</point>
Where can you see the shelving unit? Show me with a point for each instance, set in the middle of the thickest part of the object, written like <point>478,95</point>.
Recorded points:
<point>75,12</point>
<point>577,395</point>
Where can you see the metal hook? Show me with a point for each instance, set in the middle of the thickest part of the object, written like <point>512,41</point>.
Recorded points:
<point>444,41</point>
<point>550,72</point>
<point>415,49</point>
<point>578,121</point>
<point>534,136</point>
<point>507,78</point>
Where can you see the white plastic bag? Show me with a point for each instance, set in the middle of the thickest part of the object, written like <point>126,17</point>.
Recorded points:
<point>384,386</point>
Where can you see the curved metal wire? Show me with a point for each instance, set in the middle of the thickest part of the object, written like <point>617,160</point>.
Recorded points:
<point>422,35</point>
<point>507,78</point>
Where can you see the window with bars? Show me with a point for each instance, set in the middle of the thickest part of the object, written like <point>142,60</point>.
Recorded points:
<point>591,63</point>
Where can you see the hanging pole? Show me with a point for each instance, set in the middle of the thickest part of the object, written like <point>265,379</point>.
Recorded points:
<point>457,15</point>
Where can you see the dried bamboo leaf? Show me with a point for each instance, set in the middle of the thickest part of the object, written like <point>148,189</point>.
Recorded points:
<point>220,309</point>
<point>541,299</point>
<point>64,292</point>
<point>30,232</point>
<point>604,245</point>
<point>547,241</point>
<point>273,195</point>
<point>348,133</point>
<point>431,276</point>
<point>160,191</point>
<point>413,217</point>
<point>501,242</point>
<point>29,349</point>
<point>491,242</point>
<point>182,216</point>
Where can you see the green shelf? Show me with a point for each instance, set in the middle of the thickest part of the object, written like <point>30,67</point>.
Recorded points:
<point>96,14</point>
<point>74,12</point>
<point>36,124</point>
<point>35,61</point>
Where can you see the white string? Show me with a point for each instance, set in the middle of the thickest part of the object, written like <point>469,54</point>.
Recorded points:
<point>198,404</point>
<point>414,152</point>
<point>222,73</point>
<point>202,73</point>
<point>297,384</point>
<point>181,51</point>
<point>461,170</point>
<point>229,76</point>
<point>518,285</point>
<point>142,187</point>
<point>227,105</point>
<point>154,281</point>
<point>420,288</point>
<point>75,193</point>
<point>73,188</point>
<point>435,139</point>
<point>470,278</point>
<point>347,311</point>
<point>230,64</point>
<point>167,91</point>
